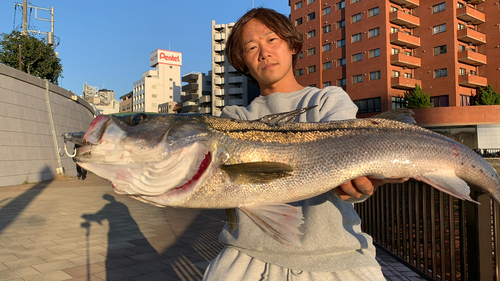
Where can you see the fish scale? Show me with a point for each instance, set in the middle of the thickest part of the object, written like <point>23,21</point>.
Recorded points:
<point>260,167</point>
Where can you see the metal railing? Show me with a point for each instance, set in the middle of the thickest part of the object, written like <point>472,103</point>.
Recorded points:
<point>441,237</point>
<point>488,152</point>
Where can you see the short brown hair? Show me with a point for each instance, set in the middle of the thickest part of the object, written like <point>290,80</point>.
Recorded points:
<point>278,23</point>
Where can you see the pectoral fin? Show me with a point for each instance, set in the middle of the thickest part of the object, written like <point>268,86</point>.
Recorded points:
<point>257,172</point>
<point>280,221</point>
<point>284,117</point>
<point>448,182</point>
<point>232,220</point>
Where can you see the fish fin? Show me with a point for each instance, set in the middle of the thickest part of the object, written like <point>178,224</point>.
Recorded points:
<point>448,182</point>
<point>402,114</point>
<point>257,172</point>
<point>280,221</point>
<point>232,221</point>
<point>285,117</point>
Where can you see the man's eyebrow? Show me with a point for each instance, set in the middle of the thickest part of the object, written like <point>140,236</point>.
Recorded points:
<point>265,34</point>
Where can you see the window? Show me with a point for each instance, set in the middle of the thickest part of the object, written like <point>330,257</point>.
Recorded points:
<point>393,9</point>
<point>440,73</point>
<point>461,26</point>
<point>461,48</point>
<point>439,8</point>
<point>299,72</point>
<point>311,16</point>
<point>375,53</point>
<point>327,28</point>
<point>408,75</point>
<point>153,95</point>
<point>311,34</point>
<point>326,11</point>
<point>312,69</point>
<point>341,82</point>
<point>310,1</point>
<point>357,78</point>
<point>398,102</point>
<point>373,12</point>
<point>462,71</point>
<point>341,62</point>
<point>357,57</point>
<point>440,50</point>
<point>369,105</point>
<point>327,84</point>
<point>356,18</point>
<point>439,28</point>
<point>394,30</point>
<point>375,32</point>
<point>440,101</point>
<point>327,47</point>
<point>340,5</point>
<point>466,100</point>
<point>395,73</point>
<point>341,43</point>
<point>327,65</point>
<point>394,51</point>
<point>311,51</point>
<point>356,37</point>
<point>354,1</point>
<point>375,75</point>
<point>340,23</point>
<point>153,104</point>
<point>301,55</point>
<point>298,5</point>
<point>298,21</point>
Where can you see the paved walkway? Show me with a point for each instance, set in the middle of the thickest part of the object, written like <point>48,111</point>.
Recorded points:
<point>82,230</point>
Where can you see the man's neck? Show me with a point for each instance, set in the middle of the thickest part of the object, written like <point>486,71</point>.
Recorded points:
<point>281,87</point>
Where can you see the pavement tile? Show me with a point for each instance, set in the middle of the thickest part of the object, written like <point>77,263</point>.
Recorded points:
<point>149,267</point>
<point>18,273</point>
<point>60,256</point>
<point>53,266</point>
<point>121,262</point>
<point>49,276</point>
<point>20,263</point>
<point>120,274</point>
<point>8,257</point>
<point>84,270</point>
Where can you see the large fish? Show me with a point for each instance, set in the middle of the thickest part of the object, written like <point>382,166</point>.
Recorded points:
<point>201,161</point>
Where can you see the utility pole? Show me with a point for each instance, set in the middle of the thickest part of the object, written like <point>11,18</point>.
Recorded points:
<point>25,17</point>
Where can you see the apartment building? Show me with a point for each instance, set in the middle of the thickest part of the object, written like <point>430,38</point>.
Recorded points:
<point>159,85</point>
<point>126,102</point>
<point>196,95</point>
<point>376,50</point>
<point>228,86</point>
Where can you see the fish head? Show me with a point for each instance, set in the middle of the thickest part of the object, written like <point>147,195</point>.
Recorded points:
<point>148,155</point>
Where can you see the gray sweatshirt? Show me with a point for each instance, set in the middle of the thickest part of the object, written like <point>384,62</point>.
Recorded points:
<point>332,239</point>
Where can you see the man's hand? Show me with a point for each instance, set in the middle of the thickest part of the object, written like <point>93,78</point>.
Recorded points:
<point>362,187</point>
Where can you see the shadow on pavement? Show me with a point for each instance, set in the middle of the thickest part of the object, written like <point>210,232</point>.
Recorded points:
<point>179,249</point>
<point>11,211</point>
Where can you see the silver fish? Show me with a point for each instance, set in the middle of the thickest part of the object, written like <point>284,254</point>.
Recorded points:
<point>201,161</point>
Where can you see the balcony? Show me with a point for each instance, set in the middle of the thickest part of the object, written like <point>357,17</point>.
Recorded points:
<point>411,4</point>
<point>189,97</point>
<point>205,99</point>
<point>476,2</point>
<point>219,92</point>
<point>190,77</point>
<point>471,58</point>
<point>218,59</point>
<point>406,40</point>
<point>190,88</point>
<point>235,80</point>
<point>219,36</point>
<point>190,109</point>
<point>219,103</point>
<point>472,81</point>
<point>472,36</point>
<point>219,81</point>
<point>236,91</point>
<point>401,18</point>
<point>471,15</point>
<point>219,69</point>
<point>218,48</point>
<point>205,110</point>
<point>404,83</point>
<point>405,61</point>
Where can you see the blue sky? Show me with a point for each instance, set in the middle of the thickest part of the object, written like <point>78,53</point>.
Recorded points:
<point>107,43</point>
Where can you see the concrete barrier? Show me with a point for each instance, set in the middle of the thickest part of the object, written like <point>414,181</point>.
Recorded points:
<point>33,116</point>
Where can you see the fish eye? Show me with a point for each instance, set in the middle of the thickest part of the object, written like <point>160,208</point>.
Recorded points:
<point>137,119</point>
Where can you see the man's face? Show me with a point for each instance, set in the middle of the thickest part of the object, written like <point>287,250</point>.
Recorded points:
<point>268,57</point>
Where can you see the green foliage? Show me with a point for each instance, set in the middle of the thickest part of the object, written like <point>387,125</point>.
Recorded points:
<point>487,96</point>
<point>37,58</point>
<point>416,98</point>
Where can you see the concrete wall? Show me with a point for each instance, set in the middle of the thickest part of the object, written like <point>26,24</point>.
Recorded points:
<point>27,148</point>
<point>488,136</point>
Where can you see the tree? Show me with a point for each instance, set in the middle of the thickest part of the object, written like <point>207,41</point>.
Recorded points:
<point>37,58</point>
<point>487,96</point>
<point>416,98</point>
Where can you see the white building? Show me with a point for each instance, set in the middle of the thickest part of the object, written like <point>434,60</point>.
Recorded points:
<point>229,87</point>
<point>196,95</point>
<point>159,85</point>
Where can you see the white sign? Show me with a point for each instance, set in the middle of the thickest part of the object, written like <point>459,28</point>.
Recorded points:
<point>165,57</point>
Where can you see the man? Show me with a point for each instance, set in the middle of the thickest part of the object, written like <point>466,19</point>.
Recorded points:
<point>264,45</point>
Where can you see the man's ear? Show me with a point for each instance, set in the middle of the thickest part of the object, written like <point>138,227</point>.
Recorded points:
<point>294,52</point>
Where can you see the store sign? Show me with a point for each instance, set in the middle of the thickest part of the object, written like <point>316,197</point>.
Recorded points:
<point>165,57</point>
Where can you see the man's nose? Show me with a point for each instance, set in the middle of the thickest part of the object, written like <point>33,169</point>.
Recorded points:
<point>264,52</point>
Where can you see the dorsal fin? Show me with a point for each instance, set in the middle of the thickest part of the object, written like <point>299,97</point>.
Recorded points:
<point>284,117</point>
